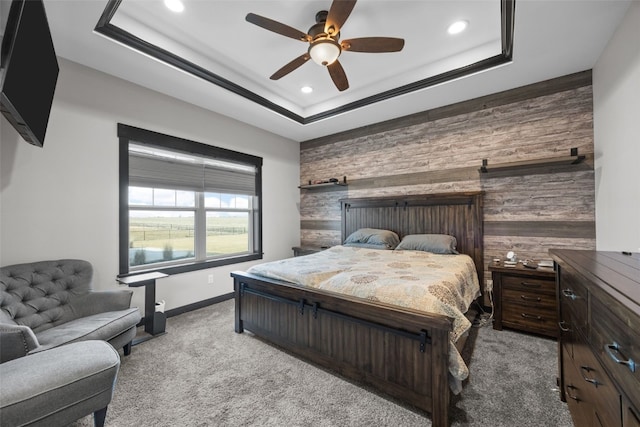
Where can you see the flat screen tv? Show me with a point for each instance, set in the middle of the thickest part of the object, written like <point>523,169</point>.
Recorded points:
<point>29,70</point>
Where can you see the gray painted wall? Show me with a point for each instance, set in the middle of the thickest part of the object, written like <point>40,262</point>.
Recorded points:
<point>616,100</point>
<point>61,201</point>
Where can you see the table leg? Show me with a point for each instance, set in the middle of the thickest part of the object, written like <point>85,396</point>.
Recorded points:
<point>149,306</point>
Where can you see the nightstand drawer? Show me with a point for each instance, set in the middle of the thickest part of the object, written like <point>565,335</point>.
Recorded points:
<point>531,319</point>
<point>524,298</point>
<point>529,284</point>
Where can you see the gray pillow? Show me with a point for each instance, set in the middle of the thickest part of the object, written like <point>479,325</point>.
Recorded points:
<point>434,243</point>
<point>374,236</point>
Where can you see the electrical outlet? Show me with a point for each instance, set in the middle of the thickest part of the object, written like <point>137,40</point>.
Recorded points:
<point>210,279</point>
<point>489,286</point>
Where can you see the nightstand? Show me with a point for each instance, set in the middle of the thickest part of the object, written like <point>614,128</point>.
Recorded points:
<point>525,299</point>
<point>307,250</point>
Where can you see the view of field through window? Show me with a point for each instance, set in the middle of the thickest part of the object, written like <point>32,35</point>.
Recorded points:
<point>162,235</point>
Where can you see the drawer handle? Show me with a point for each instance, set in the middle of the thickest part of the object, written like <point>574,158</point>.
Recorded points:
<point>526,298</point>
<point>530,285</point>
<point>569,388</point>
<point>569,294</point>
<point>610,348</point>
<point>531,316</point>
<point>562,327</point>
<point>588,369</point>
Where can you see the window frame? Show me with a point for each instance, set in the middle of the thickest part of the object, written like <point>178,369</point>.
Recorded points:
<point>127,134</point>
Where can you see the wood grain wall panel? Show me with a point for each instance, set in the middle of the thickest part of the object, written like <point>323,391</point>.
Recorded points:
<point>566,83</point>
<point>417,188</point>
<point>529,248</point>
<point>528,211</point>
<point>323,205</point>
<point>570,229</point>
<point>568,195</point>
<point>539,127</point>
<point>319,237</point>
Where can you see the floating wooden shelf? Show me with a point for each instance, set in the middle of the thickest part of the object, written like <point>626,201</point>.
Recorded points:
<point>572,159</point>
<point>342,183</point>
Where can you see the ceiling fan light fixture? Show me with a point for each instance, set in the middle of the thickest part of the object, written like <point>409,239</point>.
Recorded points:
<point>324,51</point>
<point>323,38</point>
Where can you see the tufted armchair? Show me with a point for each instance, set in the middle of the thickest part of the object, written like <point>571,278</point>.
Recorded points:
<point>57,386</point>
<point>54,299</point>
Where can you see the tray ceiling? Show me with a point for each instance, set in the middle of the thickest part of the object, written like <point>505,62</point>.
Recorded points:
<point>229,61</point>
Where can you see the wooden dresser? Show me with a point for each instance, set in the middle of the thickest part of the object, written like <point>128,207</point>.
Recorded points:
<point>525,299</point>
<point>599,344</point>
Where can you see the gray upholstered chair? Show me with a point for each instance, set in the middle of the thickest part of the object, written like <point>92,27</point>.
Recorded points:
<point>55,300</point>
<point>57,386</point>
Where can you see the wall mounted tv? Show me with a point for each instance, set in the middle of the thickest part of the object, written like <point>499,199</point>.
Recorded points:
<point>29,70</point>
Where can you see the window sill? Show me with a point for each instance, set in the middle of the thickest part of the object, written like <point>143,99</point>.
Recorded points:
<point>201,265</point>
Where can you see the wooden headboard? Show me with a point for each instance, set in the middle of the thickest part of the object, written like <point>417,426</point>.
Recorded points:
<point>456,214</point>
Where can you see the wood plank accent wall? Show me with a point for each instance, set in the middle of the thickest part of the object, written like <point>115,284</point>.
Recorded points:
<point>441,150</point>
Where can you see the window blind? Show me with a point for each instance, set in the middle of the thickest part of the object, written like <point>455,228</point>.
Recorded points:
<point>161,168</point>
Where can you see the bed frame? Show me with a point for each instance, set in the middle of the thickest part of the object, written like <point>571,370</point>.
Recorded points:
<point>400,352</point>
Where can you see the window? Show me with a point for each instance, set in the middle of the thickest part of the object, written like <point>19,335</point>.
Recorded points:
<point>185,205</point>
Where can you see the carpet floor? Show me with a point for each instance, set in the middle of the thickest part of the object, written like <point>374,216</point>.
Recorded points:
<point>201,373</point>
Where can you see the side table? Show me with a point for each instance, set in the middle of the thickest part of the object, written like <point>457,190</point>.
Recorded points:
<point>154,322</point>
<point>525,299</point>
<point>307,250</point>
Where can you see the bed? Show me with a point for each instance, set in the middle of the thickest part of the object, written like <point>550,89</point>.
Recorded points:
<point>399,350</point>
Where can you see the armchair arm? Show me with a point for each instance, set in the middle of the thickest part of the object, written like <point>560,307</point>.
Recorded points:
<point>101,301</point>
<point>16,341</point>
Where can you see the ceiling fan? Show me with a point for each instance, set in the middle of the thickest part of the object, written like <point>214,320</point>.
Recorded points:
<point>324,41</point>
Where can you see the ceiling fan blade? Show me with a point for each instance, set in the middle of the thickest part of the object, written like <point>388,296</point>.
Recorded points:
<point>373,44</point>
<point>338,76</point>
<point>299,61</point>
<point>338,14</point>
<point>277,27</point>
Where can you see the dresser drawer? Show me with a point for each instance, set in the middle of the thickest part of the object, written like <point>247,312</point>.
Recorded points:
<point>630,418</point>
<point>566,326</point>
<point>598,385</point>
<point>614,339</point>
<point>528,284</point>
<point>574,297</point>
<point>576,395</point>
<point>590,394</point>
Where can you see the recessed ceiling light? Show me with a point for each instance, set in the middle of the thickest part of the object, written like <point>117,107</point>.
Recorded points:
<point>457,27</point>
<point>174,5</point>
<point>306,89</point>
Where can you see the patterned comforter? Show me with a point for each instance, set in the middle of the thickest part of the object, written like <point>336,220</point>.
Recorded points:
<point>442,284</point>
